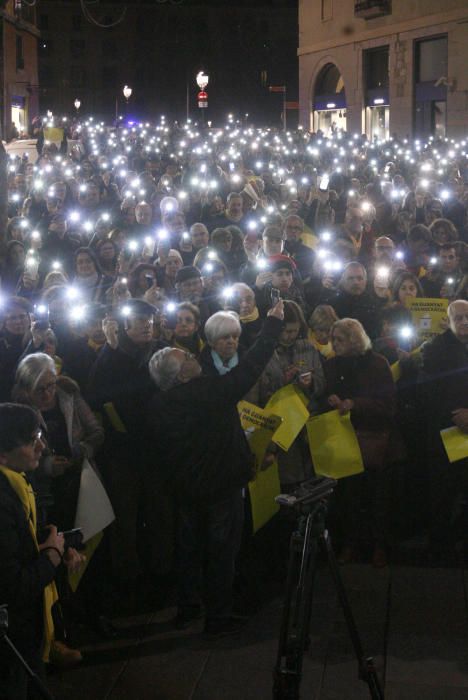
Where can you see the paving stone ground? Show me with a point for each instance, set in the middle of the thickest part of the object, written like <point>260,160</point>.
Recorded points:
<point>412,620</point>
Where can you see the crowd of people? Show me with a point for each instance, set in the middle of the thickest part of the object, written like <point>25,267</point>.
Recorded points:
<point>157,275</point>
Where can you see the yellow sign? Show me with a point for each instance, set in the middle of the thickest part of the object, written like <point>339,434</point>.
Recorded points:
<point>53,134</point>
<point>334,446</point>
<point>260,427</point>
<point>288,404</point>
<point>263,491</point>
<point>455,443</point>
<point>429,316</point>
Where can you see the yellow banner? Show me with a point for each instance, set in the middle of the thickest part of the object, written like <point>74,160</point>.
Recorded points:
<point>455,443</point>
<point>260,428</point>
<point>334,446</point>
<point>53,134</point>
<point>288,404</point>
<point>429,316</point>
<point>263,491</point>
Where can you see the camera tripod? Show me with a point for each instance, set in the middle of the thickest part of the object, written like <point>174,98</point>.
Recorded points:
<point>310,501</point>
<point>40,687</point>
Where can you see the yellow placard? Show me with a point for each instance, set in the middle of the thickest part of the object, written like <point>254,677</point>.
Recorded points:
<point>263,491</point>
<point>252,416</point>
<point>288,404</point>
<point>396,371</point>
<point>334,446</point>
<point>90,547</point>
<point>429,316</point>
<point>455,443</point>
<point>53,134</point>
<point>114,418</point>
<point>309,238</point>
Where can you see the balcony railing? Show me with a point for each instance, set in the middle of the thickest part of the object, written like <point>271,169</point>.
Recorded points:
<point>370,9</point>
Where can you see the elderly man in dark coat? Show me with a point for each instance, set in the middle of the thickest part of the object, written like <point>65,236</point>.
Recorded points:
<point>445,366</point>
<point>204,457</point>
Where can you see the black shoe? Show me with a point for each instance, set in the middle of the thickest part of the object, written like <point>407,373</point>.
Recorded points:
<point>186,617</point>
<point>224,626</point>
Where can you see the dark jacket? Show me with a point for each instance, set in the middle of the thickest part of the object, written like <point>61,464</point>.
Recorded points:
<point>121,377</point>
<point>368,381</point>
<point>302,255</point>
<point>11,349</point>
<point>24,572</point>
<point>445,369</point>
<point>201,448</point>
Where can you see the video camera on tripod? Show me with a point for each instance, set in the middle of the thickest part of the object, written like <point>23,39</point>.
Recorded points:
<point>310,501</point>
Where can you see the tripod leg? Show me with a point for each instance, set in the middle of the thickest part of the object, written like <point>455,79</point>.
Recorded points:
<point>39,685</point>
<point>295,622</point>
<point>367,670</point>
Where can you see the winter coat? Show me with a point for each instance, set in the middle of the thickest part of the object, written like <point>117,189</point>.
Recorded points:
<point>202,450</point>
<point>24,572</point>
<point>367,380</point>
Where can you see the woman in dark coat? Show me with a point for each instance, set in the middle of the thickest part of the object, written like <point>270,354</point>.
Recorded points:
<point>360,381</point>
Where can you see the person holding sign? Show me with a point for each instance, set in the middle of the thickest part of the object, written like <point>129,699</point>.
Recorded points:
<point>445,365</point>
<point>360,381</point>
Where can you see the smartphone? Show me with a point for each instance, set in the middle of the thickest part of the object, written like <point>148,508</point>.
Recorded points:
<point>73,538</point>
<point>149,280</point>
<point>41,317</point>
<point>275,296</point>
<point>324,180</point>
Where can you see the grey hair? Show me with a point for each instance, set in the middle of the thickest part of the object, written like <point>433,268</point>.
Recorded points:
<point>164,368</point>
<point>30,371</point>
<point>222,323</point>
<point>355,333</point>
<point>242,287</point>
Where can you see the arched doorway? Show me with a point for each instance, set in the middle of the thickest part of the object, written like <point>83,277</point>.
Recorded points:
<point>329,101</point>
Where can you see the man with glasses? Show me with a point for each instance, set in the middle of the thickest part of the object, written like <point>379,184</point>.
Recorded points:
<point>15,324</point>
<point>303,256</point>
<point>27,569</point>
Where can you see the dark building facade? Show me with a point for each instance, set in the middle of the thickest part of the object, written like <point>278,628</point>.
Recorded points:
<point>18,70</point>
<point>158,48</point>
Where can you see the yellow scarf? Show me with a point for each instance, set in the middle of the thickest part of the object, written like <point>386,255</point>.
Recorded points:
<point>26,495</point>
<point>326,350</point>
<point>250,317</point>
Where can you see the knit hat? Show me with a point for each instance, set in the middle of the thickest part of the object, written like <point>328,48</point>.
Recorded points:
<point>187,273</point>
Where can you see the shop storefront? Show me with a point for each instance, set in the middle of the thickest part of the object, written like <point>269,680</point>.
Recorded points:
<point>329,103</point>
<point>377,115</point>
<point>19,119</point>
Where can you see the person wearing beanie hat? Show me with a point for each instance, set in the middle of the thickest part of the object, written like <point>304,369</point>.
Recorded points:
<point>282,282</point>
<point>120,389</point>
<point>80,353</point>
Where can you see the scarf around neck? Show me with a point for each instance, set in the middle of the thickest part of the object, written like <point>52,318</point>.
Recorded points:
<point>23,490</point>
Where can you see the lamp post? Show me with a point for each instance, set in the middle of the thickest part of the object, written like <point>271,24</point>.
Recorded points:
<point>127,92</point>
<point>77,105</point>
<point>202,81</point>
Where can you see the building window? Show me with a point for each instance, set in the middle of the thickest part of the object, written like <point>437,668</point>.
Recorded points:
<point>76,23</point>
<point>327,10</point>
<point>376,68</point>
<point>77,77</point>
<point>431,59</point>
<point>77,48</point>
<point>430,108</point>
<point>44,22</point>
<point>19,52</point>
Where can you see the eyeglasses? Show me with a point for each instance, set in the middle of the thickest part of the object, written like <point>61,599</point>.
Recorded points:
<point>36,438</point>
<point>19,317</point>
<point>47,387</point>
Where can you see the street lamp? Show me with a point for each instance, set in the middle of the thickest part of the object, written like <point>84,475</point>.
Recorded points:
<point>127,92</point>
<point>77,104</point>
<point>202,81</point>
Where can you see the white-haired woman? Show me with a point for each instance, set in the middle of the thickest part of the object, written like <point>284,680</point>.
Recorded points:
<point>71,433</point>
<point>360,381</point>
<point>222,332</point>
<point>70,428</point>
